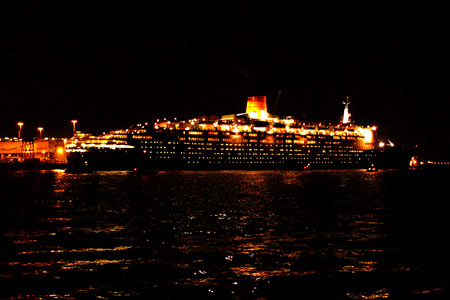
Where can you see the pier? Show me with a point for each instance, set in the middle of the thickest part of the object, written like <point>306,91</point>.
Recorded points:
<point>42,153</point>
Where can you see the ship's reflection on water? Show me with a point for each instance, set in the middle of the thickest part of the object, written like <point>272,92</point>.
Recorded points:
<point>227,234</point>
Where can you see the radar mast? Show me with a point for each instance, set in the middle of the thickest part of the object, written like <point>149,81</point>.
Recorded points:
<point>346,116</point>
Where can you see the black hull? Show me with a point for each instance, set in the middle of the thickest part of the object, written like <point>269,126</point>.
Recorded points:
<point>80,162</point>
<point>92,160</point>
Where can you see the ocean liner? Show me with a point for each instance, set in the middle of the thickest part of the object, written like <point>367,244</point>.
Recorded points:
<point>255,139</point>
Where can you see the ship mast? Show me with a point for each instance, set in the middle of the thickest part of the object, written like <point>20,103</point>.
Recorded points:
<point>346,116</point>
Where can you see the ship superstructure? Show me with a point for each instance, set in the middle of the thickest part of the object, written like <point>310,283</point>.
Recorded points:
<point>107,151</point>
<point>255,139</point>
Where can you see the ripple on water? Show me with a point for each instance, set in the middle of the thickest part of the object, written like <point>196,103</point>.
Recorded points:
<point>230,234</point>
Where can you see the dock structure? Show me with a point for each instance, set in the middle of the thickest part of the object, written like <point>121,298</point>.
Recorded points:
<point>48,150</point>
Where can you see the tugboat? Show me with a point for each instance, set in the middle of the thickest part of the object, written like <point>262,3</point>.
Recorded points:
<point>372,168</point>
<point>79,166</point>
<point>413,163</point>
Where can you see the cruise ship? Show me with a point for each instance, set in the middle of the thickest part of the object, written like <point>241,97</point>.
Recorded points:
<point>252,140</point>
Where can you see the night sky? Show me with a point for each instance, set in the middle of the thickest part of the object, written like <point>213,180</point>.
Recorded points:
<point>110,67</point>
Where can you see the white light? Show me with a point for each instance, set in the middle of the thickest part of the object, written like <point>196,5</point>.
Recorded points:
<point>346,116</point>
<point>368,135</point>
<point>253,115</point>
<point>263,114</point>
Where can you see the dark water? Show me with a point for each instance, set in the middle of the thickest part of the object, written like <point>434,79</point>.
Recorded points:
<point>233,235</point>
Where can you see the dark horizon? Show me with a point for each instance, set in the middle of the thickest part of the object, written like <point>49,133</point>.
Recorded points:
<point>111,68</point>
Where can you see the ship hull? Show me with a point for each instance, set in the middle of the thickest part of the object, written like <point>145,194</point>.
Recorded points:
<point>91,161</point>
<point>94,159</point>
<point>214,150</point>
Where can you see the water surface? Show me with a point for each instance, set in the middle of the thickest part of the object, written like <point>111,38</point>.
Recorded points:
<point>344,234</point>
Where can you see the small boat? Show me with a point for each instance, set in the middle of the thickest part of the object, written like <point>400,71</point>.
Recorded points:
<point>152,171</point>
<point>372,168</point>
<point>79,167</point>
<point>78,170</point>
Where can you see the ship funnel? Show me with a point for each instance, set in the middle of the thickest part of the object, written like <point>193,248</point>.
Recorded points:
<point>257,107</point>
